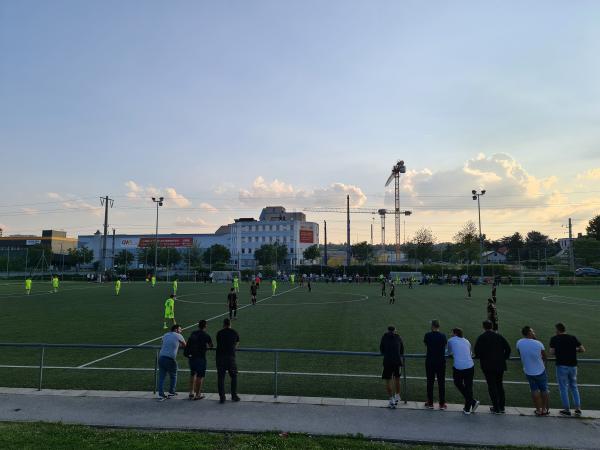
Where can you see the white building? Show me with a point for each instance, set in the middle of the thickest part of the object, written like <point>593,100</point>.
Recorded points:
<point>493,257</point>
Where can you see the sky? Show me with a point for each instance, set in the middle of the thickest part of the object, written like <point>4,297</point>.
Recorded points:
<point>225,107</point>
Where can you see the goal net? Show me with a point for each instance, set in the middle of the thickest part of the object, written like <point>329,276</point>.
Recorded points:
<point>224,276</point>
<point>549,278</point>
<point>404,276</point>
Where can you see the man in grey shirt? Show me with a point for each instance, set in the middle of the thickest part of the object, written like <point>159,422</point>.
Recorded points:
<point>167,363</point>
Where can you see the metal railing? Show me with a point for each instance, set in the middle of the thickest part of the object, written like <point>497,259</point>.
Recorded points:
<point>276,372</point>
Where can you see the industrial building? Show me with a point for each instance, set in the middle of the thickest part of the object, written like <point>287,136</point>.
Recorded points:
<point>55,241</point>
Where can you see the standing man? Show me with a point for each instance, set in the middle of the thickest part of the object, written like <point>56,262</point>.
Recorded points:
<point>274,286</point>
<point>493,351</point>
<point>565,347</point>
<point>117,286</point>
<point>169,311</point>
<point>55,283</point>
<point>167,363</point>
<point>232,303</point>
<point>153,280</point>
<point>533,355</point>
<point>28,284</point>
<point>494,287</point>
<point>253,291</point>
<point>383,281</point>
<point>435,364</point>
<point>292,279</point>
<point>236,284</point>
<point>392,293</point>
<point>392,349</point>
<point>175,286</point>
<point>227,343</point>
<point>308,285</point>
<point>463,369</point>
<point>492,313</point>
<point>197,344</point>
<point>469,287</point>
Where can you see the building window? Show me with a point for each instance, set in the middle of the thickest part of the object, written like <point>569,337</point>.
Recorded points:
<point>243,250</point>
<point>291,249</point>
<point>260,228</point>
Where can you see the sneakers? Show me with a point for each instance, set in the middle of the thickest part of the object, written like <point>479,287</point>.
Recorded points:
<point>475,405</point>
<point>172,394</point>
<point>443,406</point>
<point>577,413</point>
<point>565,412</point>
<point>466,412</point>
<point>428,405</point>
<point>222,400</point>
<point>162,398</point>
<point>392,404</point>
<point>396,398</point>
<point>235,398</point>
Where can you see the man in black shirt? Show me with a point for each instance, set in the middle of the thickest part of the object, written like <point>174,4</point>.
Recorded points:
<point>435,364</point>
<point>232,303</point>
<point>383,281</point>
<point>227,343</point>
<point>494,287</point>
<point>195,351</point>
<point>493,351</point>
<point>492,314</point>
<point>565,347</point>
<point>392,293</point>
<point>253,290</point>
<point>392,349</point>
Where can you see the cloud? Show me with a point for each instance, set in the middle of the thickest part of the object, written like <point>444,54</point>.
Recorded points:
<point>4,229</point>
<point>136,191</point>
<point>82,205</point>
<point>262,192</point>
<point>189,222</point>
<point>208,207</point>
<point>592,174</point>
<point>54,196</point>
<point>30,211</point>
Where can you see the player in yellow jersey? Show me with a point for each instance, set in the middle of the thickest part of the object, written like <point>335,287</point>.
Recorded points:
<point>274,286</point>
<point>117,286</point>
<point>55,283</point>
<point>236,284</point>
<point>175,286</point>
<point>169,310</point>
<point>292,279</point>
<point>28,283</point>
<point>153,280</point>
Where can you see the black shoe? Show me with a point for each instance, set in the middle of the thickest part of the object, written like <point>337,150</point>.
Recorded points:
<point>564,412</point>
<point>235,398</point>
<point>221,400</point>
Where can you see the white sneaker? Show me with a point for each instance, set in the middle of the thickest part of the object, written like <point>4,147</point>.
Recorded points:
<point>392,404</point>
<point>396,398</point>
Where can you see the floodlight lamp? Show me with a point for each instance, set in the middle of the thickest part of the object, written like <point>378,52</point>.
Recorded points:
<point>153,199</point>
<point>473,192</point>
<point>483,192</point>
<point>474,197</point>
<point>407,213</point>
<point>159,203</point>
<point>161,199</point>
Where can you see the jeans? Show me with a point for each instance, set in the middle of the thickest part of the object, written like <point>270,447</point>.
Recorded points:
<point>166,366</point>
<point>463,380</point>
<point>434,371</point>
<point>567,380</point>
<point>495,388</point>
<point>226,364</point>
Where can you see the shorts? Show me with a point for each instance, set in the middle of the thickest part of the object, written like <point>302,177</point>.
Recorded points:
<point>538,382</point>
<point>169,316</point>
<point>390,370</point>
<point>197,367</point>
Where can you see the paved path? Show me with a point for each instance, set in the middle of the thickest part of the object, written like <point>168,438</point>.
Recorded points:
<point>298,414</point>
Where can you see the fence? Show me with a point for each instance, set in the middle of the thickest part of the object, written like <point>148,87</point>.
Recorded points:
<point>275,372</point>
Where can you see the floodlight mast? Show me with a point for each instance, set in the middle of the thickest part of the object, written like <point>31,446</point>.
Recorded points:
<point>159,202</point>
<point>476,196</point>
<point>398,168</point>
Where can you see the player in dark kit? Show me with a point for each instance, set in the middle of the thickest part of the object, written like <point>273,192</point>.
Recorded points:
<point>494,293</point>
<point>469,287</point>
<point>393,294</point>
<point>492,314</point>
<point>383,281</point>
<point>253,290</point>
<point>232,303</point>
<point>308,285</point>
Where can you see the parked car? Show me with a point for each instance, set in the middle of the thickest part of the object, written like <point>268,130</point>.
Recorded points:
<point>587,272</point>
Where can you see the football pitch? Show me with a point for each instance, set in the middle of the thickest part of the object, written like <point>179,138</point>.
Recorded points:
<point>334,316</point>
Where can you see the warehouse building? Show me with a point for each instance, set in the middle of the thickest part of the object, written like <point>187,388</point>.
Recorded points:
<point>55,241</point>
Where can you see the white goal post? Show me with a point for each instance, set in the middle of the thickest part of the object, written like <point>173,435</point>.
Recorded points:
<point>539,278</point>
<point>224,276</point>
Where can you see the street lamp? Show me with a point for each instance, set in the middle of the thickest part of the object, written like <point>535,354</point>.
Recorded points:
<point>476,196</point>
<point>159,202</point>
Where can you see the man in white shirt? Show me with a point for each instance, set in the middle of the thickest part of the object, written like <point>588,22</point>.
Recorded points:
<point>533,355</point>
<point>463,368</point>
<point>167,363</point>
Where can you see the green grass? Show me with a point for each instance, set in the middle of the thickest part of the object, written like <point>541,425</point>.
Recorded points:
<point>29,436</point>
<point>332,317</point>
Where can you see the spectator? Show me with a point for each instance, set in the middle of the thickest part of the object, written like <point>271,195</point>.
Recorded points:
<point>167,363</point>
<point>565,347</point>
<point>493,351</point>
<point>463,369</point>
<point>492,314</point>
<point>435,364</point>
<point>197,344</point>
<point>392,349</point>
<point>533,355</point>
<point>227,343</point>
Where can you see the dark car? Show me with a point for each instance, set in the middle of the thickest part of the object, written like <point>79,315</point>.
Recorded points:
<point>587,272</point>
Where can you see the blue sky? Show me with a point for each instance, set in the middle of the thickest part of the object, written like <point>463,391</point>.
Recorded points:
<point>230,105</point>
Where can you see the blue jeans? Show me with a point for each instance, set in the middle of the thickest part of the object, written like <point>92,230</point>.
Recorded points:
<point>567,380</point>
<point>166,366</point>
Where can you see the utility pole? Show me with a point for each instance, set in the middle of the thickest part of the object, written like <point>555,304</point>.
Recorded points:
<point>325,252</point>
<point>372,231</point>
<point>348,248</point>
<point>159,202</point>
<point>476,196</point>
<point>113,250</point>
<point>105,201</point>
<point>571,248</point>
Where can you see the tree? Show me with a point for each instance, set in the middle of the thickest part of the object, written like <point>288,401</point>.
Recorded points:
<point>269,254</point>
<point>535,243</point>
<point>362,251</point>
<point>587,249</point>
<point>514,243</point>
<point>593,228</point>
<point>467,242</point>
<point>193,256</point>
<point>124,258</point>
<point>81,255</point>
<point>217,253</point>
<point>311,253</point>
<point>422,243</point>
<point>168,257</point>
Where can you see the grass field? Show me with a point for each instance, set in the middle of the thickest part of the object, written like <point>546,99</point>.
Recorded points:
<point>337,316</point>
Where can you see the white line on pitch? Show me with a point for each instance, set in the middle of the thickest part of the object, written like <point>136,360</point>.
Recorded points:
<point>183,329</point>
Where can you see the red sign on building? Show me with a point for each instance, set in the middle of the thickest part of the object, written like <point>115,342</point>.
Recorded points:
<point>306,236</point>
<point>167,242</point>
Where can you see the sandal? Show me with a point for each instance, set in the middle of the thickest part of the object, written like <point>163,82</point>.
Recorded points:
<point>199,397</point>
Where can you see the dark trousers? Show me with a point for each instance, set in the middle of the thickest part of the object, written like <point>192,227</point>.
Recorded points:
<point>232,312</point>
<point>495,388</point>
<point>434,371</point>
<point>224,365</point>
<point>463,380</point>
